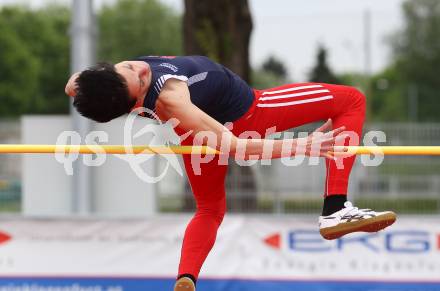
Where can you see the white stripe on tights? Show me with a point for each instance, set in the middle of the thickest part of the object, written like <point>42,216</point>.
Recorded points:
<point>294,95</point>
<point>292,89</point>
<point>295,102</point>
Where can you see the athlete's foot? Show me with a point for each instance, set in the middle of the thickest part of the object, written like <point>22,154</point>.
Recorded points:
<point>351,219</point>
<point>184,284</point>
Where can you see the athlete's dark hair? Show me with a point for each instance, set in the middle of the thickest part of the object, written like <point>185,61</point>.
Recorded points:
<point>102,93</point>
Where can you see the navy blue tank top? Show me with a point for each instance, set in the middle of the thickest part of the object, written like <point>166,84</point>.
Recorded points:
<point>214,89</point>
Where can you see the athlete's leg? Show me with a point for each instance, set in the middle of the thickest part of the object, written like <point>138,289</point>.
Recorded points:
<point>209,192</point>
<point>297,104</point>
<point>349,111</point>
<point>293,105</point>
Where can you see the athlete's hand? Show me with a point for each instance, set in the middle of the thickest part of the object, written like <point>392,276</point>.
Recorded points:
<point>71,85</point>
<point>321,142</point>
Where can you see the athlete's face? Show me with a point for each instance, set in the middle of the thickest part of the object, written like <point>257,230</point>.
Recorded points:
<point>137,75</point>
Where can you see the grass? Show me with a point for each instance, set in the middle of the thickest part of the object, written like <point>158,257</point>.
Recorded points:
<point>12,206</point>
<point>401,205</point>
<point>414,169</point>
<point>314,205</point>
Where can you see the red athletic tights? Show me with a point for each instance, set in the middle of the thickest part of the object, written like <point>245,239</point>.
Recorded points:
<point>283,107</point>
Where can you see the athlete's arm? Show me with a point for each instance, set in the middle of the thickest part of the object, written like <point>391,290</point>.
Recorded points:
<point>174,102</point>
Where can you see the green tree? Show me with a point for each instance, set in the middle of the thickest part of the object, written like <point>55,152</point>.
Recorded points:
<point>34,46</point>
<point>262,79</point>
<point>387,99</point>
<point>322,72</point>
<point>272,73</point>
<point>221,30</point>
<point>417,55</point>
<point>18,72</point>
<point>132,28</point>
<point>275,66</point>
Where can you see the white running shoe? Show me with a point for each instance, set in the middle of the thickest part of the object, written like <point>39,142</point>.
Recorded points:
<point>184,284</point>
<point>351,219</point>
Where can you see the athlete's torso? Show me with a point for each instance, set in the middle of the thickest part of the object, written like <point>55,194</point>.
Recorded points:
<point>214,89</point>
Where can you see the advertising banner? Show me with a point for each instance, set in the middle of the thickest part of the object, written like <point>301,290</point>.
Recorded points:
<point>251,253</point>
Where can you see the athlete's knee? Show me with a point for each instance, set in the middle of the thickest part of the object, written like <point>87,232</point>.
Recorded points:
<point>214,214</point>
<point>213,209</point>
<point>359,99</point>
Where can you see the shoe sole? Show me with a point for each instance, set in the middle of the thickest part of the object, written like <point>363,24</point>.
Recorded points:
<point>373,224</point>
<point>184,284</point>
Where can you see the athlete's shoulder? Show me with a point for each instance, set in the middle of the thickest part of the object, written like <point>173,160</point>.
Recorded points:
<point>176,59</point>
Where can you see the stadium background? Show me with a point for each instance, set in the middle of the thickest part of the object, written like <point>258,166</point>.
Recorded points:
<point>124,234</point>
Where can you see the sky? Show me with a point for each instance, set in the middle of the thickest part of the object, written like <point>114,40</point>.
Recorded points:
<point>292,30</point>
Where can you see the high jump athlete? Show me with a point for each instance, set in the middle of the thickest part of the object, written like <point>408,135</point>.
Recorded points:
<point>203,95</point>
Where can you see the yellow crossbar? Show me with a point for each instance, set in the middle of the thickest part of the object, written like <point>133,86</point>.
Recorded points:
<point>102,149</point>
<point>144,149</point>
<point>392,150</point>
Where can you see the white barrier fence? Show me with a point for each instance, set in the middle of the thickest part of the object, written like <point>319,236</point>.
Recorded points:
<point>251,253</point>
<point>252,189</point>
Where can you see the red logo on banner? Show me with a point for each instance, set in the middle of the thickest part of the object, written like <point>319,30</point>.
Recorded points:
<point>4,237</point>
<point>273,241</point>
